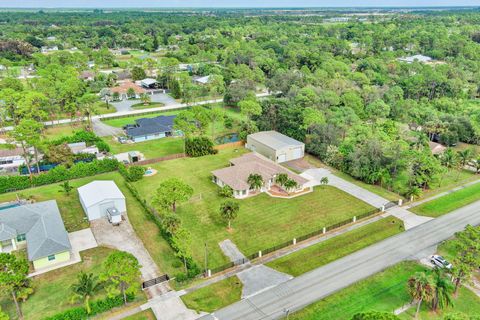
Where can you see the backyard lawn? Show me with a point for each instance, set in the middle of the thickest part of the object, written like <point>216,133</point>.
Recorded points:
<point>55,132</point>
<point>151,149</point>
<point>214,296</point>
<point>449,202</point>
<point>337,247</point>
<point>52,291</point>
<point>144,315</point>
<point>271,220</point>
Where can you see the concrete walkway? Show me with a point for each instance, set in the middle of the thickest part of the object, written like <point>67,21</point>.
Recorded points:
<point>410,220</point>
<point>231,251</point>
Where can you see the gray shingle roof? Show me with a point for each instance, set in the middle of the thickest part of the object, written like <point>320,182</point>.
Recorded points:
<point>7,232</point>
<point>275,140</point>
<point>43,226</point>
<point>148,126</point>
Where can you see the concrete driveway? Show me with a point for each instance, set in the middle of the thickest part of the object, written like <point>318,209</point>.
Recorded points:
<point>103,130</point>
<point>123,238</point>
<point>126,105</point>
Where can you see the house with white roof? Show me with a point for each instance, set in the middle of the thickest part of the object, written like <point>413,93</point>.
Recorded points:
<point>275,146</point>
<point>101,196</point>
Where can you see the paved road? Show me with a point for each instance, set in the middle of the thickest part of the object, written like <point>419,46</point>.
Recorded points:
<point>319,283</point>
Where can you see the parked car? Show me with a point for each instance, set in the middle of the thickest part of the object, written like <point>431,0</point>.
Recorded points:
<point>122,139</point>
<point>440,262</point>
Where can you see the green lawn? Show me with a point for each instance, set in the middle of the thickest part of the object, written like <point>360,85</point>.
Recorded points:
<point>55,132</point>
<point>385,291</point>
<point>52,291</point>
<point>271,220</point>
<point>151,149</point>
<point>449,202</point>
<point>337,247</point>
<point>141,105</point>
<point>214,296</point>
<point>450,180</point>
<point>144,315</point>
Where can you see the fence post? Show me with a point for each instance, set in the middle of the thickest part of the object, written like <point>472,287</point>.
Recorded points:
<point>324,230</point>
<point>260,253</point>
<point>209,273</point>
<point>294,241</point>
<point>354,219</point>
<point>400,201</point>
<point>382,208</point>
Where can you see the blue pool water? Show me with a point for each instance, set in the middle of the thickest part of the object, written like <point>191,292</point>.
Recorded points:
<point>232,137</point>
<point>8,206</point>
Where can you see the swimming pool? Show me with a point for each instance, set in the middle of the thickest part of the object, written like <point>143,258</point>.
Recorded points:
<point>9,205</point>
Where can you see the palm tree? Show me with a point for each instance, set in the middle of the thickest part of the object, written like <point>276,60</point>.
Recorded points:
<point>255,181</point>
<point>414,192</point>
<point>324,181</point>
<point>443,290</point>
<point>85,288</point>
<point>281,179</point>
<point>476,165</point>
<point>464,156</point>
<point>88,107</point>
<point>421,288</point>
<point>146,99</point>
<point>290,184</point>
<point>229,211</point>
<point>449,159</point>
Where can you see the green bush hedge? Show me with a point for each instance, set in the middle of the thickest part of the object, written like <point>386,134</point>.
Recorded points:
<point>88,137</point>
<point>199,146</point>
<point>57,174</point>
<point>98,306</point>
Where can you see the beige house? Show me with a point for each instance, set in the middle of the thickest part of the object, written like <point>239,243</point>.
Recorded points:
<point>236,177</point>
<point>275,146</point>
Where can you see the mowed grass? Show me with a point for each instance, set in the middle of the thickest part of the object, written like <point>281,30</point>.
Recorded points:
<point>262,221</point>
<point>449,202</point>
<point>121,122</point>
<point>52,290</point>
<point>214,296</point>
<point>144,315</point>
<point>150,149</point>
<point>384,291</point>
<point>55,132</point>
<point>142,105</point>
<point>337,247</point>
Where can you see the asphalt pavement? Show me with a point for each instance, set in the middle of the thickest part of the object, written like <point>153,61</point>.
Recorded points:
<point>308,288</point>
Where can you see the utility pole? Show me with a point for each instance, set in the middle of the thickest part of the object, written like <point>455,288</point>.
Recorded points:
<point>206,261</point>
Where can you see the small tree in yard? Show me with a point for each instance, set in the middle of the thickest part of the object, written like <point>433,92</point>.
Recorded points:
<point>229,211</point>
<point>443,290</point>
<point>170,223</point>
<point>421,288</point>
<point>86,287</point>
<point>182,242</point>
<point>281,179</point>
<point>131,93</point>
<point>226,192</point>
<point>66,187</point>
<point>121,274</point>
<point>14,280</point>
<point>255,181</point>
<point>468,255</point>
<point>171,192</point>
<point>290,184</point>
<point>116,96</point>
<point>324,181</point>
<point>145,98</point>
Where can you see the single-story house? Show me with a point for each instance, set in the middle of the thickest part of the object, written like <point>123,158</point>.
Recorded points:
<point>418,57</point>
<point>202,80</point>
<point>39,228</point>
<point>236,176</point>
<point>151,128</point>
<point>148,83</point>
<point>436,148</point>
<point>275,146</point>
<point>81,147</point>
<point>11,159</point>
<point>124,87</point>
<point>98,196</point>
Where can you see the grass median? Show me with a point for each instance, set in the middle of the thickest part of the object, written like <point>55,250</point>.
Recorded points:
<point>449,202</point>
<point>337,247</point>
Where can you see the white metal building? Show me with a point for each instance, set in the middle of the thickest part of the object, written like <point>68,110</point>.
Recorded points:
<point>275,146</point>
<point>98,196</point>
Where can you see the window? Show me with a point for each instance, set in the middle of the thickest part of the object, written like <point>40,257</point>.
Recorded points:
<point>52,257</point>
<point>21,237</point>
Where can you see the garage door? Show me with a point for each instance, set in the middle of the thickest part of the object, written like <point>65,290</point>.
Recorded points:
<point>282,158</point>
<point>297,153</point>
<point>104,206</point>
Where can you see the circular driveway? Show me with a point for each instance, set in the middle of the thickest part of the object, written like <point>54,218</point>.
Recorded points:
<point>126,105</point>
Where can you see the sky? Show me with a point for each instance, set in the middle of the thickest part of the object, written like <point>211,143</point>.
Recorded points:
<point>229,3</point>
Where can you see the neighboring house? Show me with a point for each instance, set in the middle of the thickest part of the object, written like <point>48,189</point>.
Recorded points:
<point>87,75</point>
<point>436,148</point>
<point>149,83</point>
<point>236,176</point>
<point>98,196</point>
<point>202,80</point>
<point>418,57</point>
<point>151,128</point>
<point>10,160</point>
<point>122,90</point>
<point>275,146</point>
<point>39,228</point>
<point>81,147</point>
<point>122,75</point>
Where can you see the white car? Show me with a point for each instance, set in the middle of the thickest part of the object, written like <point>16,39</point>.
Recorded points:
<point>440,262</point>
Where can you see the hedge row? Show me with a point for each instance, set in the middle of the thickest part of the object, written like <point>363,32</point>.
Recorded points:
<point>88,137</point>
<point>57,174</point>
<point>199,146</point>
<point>193,268</point>
<point>98,306</point>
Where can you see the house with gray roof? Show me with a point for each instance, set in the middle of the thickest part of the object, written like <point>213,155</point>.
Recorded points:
<point>39,228</point>
<point>151,128</point>
<point>275,146</point>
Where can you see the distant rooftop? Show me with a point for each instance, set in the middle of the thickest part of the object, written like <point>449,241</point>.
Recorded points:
<point>275,139</point>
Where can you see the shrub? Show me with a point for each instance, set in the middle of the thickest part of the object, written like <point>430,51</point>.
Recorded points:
<point>226,192</point>
<point>102,146</point>
<point>199,146</point>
